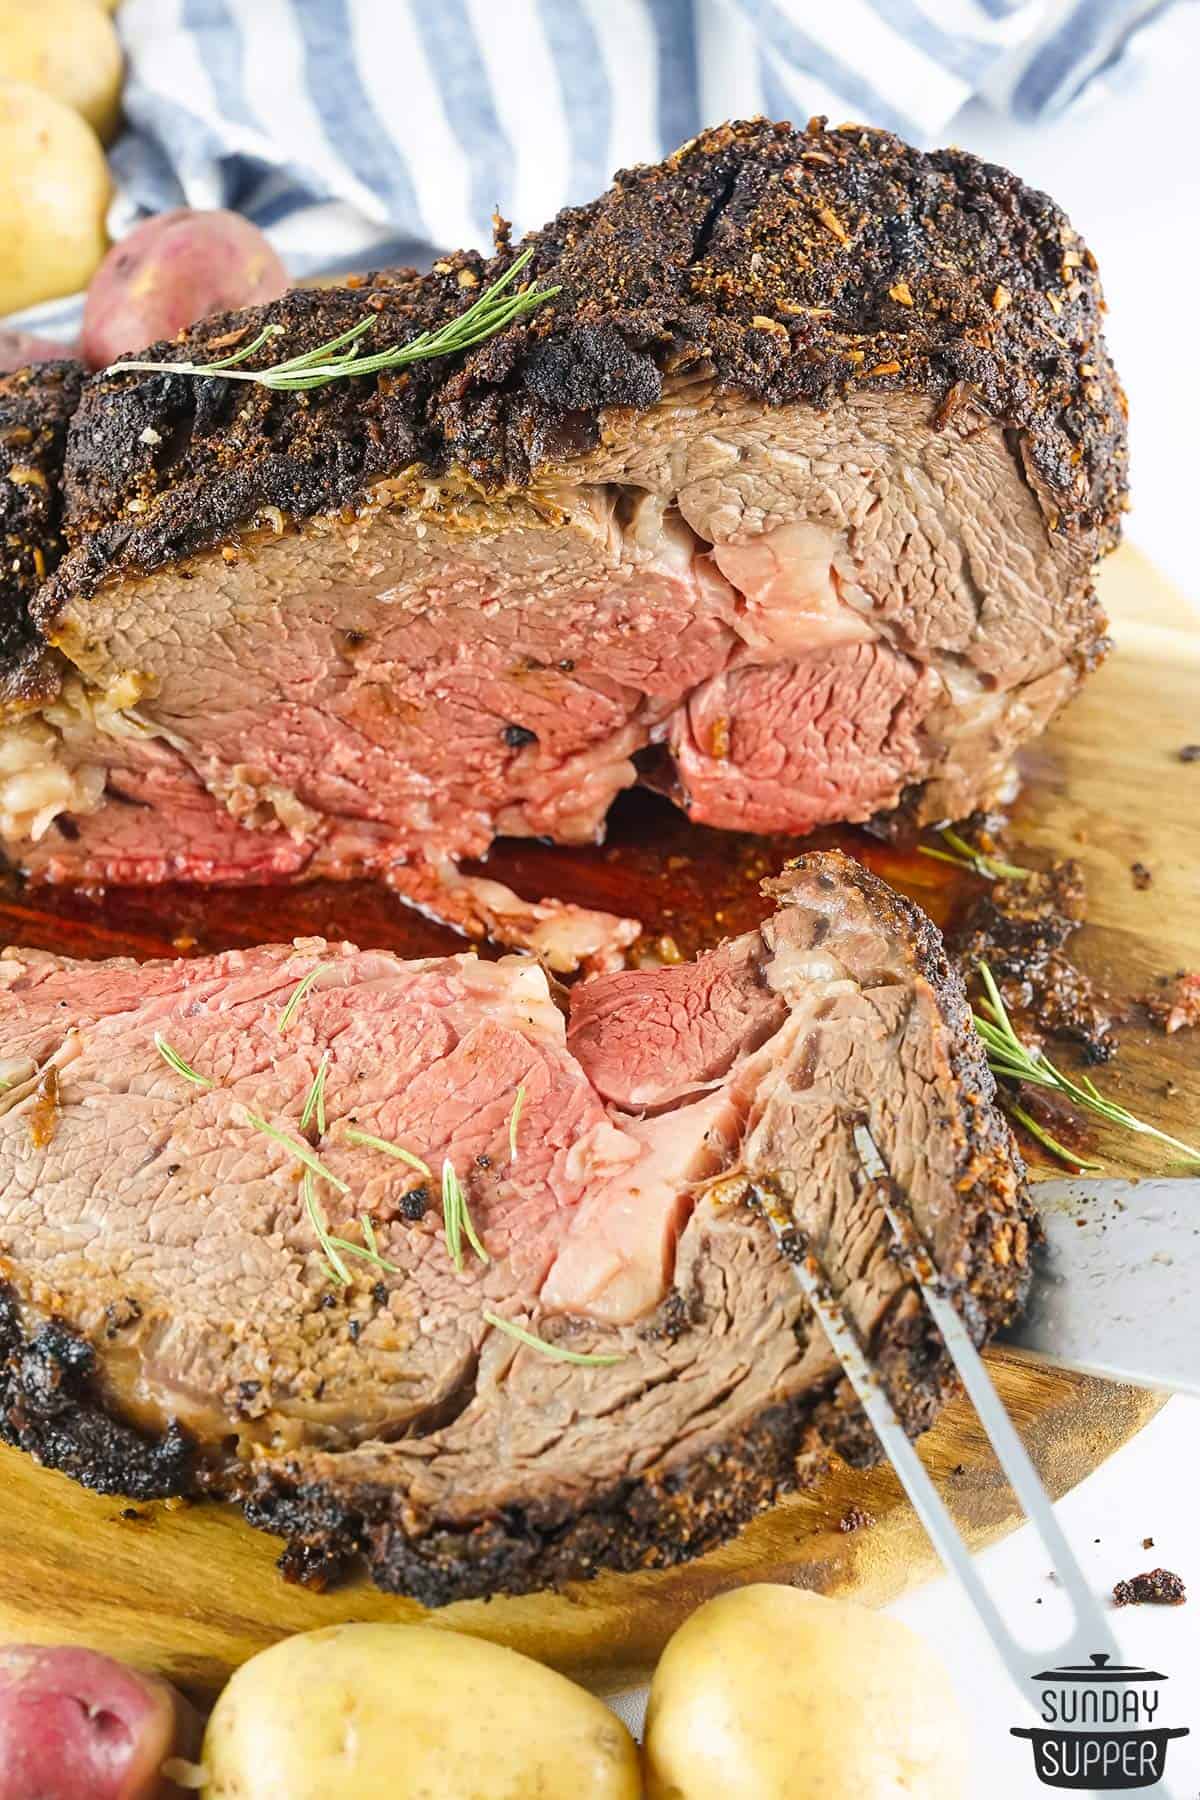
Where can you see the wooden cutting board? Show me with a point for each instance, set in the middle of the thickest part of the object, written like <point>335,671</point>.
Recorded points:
<point>192,1591</point>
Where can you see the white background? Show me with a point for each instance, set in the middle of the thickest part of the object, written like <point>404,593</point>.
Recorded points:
<point>1128,175</point>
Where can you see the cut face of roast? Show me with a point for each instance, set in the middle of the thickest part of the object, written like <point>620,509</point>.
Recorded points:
<point>813,613</point>
<point>787,501</point>
<point>169,1318</point>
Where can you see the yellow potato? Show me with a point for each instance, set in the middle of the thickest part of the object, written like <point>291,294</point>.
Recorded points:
<point>771,1693</point>
<point>54,192</point>
<point>410,1712</point>
<point>67,48</point>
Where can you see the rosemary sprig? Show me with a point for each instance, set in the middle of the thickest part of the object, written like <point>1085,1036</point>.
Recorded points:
<point>335,1249</point>
<point>174,1061</point>
<point>300,1151</point>
<point>451,1215</point>
<point>368,1250</point>
<point>335,1268</point>
<point>555,1352</point>
<point>468,1225</point>
<point>456,1215</point>
<point>298,992</point>
<point>1044,1138</point>
<point>967,857</point>
<point>354,1136</point>
<point>515,1120</point>
<point>1012,1060</point>
<point>490,313</point>
<point>315,1102</point>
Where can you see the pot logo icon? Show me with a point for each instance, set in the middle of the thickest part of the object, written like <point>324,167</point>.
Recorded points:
<point>1100,1728</point>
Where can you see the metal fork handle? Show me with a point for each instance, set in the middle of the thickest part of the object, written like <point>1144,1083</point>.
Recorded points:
<point>1090,1631</point>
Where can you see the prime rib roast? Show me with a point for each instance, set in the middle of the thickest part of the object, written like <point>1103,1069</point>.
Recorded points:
<point>169,1323</point>
<point>787,503</point>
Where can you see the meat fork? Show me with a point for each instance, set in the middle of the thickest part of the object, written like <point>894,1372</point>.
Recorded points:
<point>1090,1634</point>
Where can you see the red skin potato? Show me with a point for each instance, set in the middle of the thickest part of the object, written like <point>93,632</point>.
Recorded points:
<point>170,271</point>
<point>75,1725</point>
<point>19,348</point>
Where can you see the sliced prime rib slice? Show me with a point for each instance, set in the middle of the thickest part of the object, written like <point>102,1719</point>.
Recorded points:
<point>168,1324</point>
<point>788,500</point>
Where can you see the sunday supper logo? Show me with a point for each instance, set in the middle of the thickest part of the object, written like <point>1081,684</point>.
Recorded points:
<point>1100,1727</point>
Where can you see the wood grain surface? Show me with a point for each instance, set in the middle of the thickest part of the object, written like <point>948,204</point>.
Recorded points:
<point>192,1591</point>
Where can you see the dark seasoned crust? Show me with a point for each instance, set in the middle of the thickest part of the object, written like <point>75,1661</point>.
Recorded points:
<point>992,1281</point>
<point>1155,1587</point>
<point>51,1406</point>
<point>800,266</point>
<point>52,1403</point>
<point>36,405</point>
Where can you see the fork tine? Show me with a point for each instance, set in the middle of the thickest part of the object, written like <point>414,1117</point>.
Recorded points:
<point>926,1501</point>
<point>918,1485</point>
<point>1090,1631</point>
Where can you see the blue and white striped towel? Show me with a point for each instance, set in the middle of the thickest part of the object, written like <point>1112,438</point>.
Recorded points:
<point>359,133</point>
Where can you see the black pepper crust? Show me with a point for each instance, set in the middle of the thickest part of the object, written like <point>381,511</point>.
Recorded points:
<point>52,1401</point>
<point>36,405</point>
<point>800,266</point>
<point>51,1405</point>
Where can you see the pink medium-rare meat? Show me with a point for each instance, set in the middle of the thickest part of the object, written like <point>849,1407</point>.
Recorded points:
<point>171,1321</point>
<point>442,715</point>
<point>787,501</point>
<point>790,745</point>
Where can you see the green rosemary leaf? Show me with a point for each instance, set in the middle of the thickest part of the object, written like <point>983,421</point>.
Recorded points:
<point>956,862</point>
<point>174,1061</point>
<point>965,856</point>
<point>468,1226</point>
<point>1012,1060</point>
<point>452,1213</point>
<point>336,1249</point>
<point>316,1096</point>
<point>369,1253</point>
<point>298,992</point>
<point>518,1103</point>
<point>340,357</point>
<point>456,1215</point>
<point>236,356</point>
<point>335,1267</point>
<point>325,352</point>
<point>300,1151</point>
<point>354,1136</point>
<point>1044,1138</point>
<point>555,1352</point>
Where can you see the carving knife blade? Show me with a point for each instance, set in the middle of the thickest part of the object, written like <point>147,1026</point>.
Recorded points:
<point>1115,1288</point>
